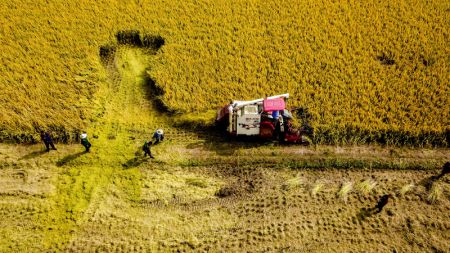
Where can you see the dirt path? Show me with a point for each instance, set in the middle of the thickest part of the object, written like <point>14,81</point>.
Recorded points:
<point>129,118</point>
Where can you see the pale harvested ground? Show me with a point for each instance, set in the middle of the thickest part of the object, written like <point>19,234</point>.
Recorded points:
<point>273,209</point>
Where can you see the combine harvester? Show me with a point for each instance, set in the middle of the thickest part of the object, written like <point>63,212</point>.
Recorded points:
<point>267,118</point>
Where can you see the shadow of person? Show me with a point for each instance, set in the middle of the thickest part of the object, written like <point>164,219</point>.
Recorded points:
<point>33,154</point>
<point>134,162</point>
<point>69,158</point>
<point>428,182</point>
<point>365,213</point>
<point>195,145</point>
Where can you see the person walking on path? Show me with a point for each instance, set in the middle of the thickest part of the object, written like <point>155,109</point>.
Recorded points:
<point>85,142</point>
<point>383,202</point>
<point>146,149</point>
<point>158,135</point>
<point>445,170</point>
<point>48,141</point>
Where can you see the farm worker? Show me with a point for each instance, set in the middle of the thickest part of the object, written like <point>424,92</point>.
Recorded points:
<point>230,117</point>
<point>382,202</point>
<point>280,129</point>
<point>445,170</point>
<point>146,149</point>
<point>158,135</point>
<point>275,114</point>
<point>85,142</point>
<point>48,141</point>
<point>230,107</point>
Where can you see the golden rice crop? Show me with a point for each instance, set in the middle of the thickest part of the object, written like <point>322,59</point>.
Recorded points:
<point>368,71</point>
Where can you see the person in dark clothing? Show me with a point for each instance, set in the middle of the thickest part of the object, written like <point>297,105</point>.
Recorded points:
<point>280,128</point>
<point>85,142</point>
<point>146,149</point>
<point>48,141</point>
<point>382,202</point>
<point>445,170</point>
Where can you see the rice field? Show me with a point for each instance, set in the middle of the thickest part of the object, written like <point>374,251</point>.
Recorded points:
<point>367,71</point>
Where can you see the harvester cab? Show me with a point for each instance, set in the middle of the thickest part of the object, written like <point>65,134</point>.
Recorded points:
<point>267,118</point>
